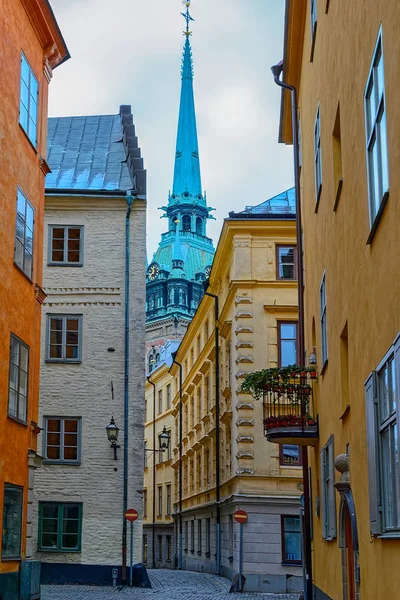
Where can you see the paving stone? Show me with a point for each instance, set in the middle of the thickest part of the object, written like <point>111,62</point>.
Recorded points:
<point>167,585</point>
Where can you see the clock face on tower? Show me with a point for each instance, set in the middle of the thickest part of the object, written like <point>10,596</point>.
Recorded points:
<point>207,271</point>
<point>153,271</point>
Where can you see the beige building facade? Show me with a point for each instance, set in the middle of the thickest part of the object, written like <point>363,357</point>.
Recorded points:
<point>254,278</point>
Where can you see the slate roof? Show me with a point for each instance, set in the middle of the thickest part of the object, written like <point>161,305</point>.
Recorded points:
<point>281,206</point>
<point>95,153</point>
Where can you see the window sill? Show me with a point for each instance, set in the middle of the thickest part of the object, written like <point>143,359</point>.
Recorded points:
<point>28,138</point>
<point>55,264</point>
<point>23,273</point>
<point>11,559</point>
<point>69,463</point>
<point>389,536</point>
<point>378,217</point>
<point>58,361</point>
<point>58,551</point>
<point>338,194</point>
<point>293,563</point>
<point>24,423</point>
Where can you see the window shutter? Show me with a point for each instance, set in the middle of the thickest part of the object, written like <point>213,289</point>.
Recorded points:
<point>332,491</point>
<point>323,497</point>
<point>372,454</point>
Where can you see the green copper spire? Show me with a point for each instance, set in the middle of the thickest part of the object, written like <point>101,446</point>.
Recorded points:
<point>187,179</point>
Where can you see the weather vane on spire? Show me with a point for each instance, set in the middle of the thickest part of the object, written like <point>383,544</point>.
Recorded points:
<point>186,15</point>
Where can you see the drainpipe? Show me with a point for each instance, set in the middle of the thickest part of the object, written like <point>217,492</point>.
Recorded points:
<point>217,457</point>
<point>129,201</point>
<point>276,71</point>
<point>153,527</point>
<point>180,461</point>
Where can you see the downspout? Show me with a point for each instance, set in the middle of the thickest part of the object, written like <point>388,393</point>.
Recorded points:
<point>180,541</point>
<point>153,526</point>
<point>217,444</point>
<point>276,71</point>
<point>129,201</point>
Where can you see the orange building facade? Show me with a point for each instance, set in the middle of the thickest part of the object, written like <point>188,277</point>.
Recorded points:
<point>31,46</point>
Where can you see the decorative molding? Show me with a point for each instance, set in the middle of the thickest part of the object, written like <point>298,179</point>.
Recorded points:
<point>244,359</point>
<point>243,300</point>
<point>83,303</point>
<point>245,422</point>
<point>240,391</point>
<point>245,471</point>
<point>44,167</point>
<point>40,294</point>
<point>244,344</point>
<point>245,439</point>
<point>244,329</point>
<point>86,290</point>
<point>245,405</point>
<point>245,454</point>
<point>242,374</point>
<point>244,315</point>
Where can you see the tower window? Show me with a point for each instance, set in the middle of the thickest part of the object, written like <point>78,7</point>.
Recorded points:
<point>199,226</point>
<point>186,223</point>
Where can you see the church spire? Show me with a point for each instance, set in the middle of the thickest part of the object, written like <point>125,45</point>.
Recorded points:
<point>187,179</point>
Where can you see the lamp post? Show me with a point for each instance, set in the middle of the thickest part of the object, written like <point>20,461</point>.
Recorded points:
<point>112,436</point>
<point>276,72</point>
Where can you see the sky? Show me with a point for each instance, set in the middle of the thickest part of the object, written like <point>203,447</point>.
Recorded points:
<point>130,51</point>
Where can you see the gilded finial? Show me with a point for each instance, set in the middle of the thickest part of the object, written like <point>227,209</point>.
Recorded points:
<point>187,16</point>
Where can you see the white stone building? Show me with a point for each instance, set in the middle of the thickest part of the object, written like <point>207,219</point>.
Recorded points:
<point>79,491</point>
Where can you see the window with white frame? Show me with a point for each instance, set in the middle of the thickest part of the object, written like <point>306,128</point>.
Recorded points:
<point>23,253</point>
<point>381,390</point>
<point>18,379</point>
<point>328,498</point>
<point>62,439</point>
<point>169,395</point>
<point>64,338</point>
<point>65,245</point>
<point>28,106</point>
<point>168,500</point>
<point>160,401</point>
<point>160,502</point>
<point>324,334</point>
<point>317,156</point>
<point>376,134</point>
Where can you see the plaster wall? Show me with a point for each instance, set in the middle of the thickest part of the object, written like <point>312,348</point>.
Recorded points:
<point>97,292</point>
<point>362,279</point>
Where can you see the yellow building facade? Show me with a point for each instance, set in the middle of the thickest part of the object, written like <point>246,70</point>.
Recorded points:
<point>343,59</point>
<point>254,278</point>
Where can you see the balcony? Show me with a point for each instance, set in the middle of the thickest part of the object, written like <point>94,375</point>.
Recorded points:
<point>288,403</point>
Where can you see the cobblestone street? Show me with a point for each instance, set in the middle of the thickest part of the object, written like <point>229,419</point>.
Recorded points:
<point>169,585</point>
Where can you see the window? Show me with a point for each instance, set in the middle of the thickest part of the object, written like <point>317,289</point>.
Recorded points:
<point>199,404</point>
<point>62,439</point>
<point>286,263</point>
<point>208,393</point>
<point>324,334</point>
<point>160,401</point>
<point>199,226</point>
<point>64,339</point>
<point>12,522</point>
<point>186,223</point>
<point>145,548</point>
<point>289,455</point>
<point>291,540</point>
<point>198,346</point>
<point>160,503</point>
<point>328,498</point>
<point>159,547</point>
<point>168,513</point>
<point>287,343</point>
<point>199,537</point>
<point>186,536</point>
<point>18,379</point>
<point>169,547</point>
<point>169,449</point>
<point>169,396</point>
<point>192,536</point>
<point>65,245</point>
<point>28,105</point>
<point>60,527</point>
<point>337,157</point>
<point>382,389</point>
<point>206,331</point>
<point>317,156</point>
<point>208,537</point>
<point>313,17</point>
<point>376,135</point>
<point>23,252</point>
<point>144,503</point>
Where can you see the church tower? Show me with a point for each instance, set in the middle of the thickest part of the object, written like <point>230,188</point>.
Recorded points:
<point>174,282</point>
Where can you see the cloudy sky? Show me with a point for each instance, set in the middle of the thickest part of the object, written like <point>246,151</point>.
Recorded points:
<point>129,52</point>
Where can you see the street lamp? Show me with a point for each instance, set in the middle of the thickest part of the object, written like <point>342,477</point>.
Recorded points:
<point>164,438</point>
<point>112,436</point>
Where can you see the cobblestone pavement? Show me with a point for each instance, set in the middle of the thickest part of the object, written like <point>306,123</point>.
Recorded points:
<point>166,585</point>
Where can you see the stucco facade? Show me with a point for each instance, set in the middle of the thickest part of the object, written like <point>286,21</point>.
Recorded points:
<point>350,247</point>
<point>253,301</point>
<point>80,486</point>
<point>30,40</point>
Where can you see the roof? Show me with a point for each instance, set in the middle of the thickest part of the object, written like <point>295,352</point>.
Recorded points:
<point>197,254</point>
<point>281,206</point>
<point>96,153</point>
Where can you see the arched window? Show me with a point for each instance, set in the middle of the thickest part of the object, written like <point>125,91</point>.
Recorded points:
<point>186,223</point>
<point>199,226</point>
<point>176,298</point>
